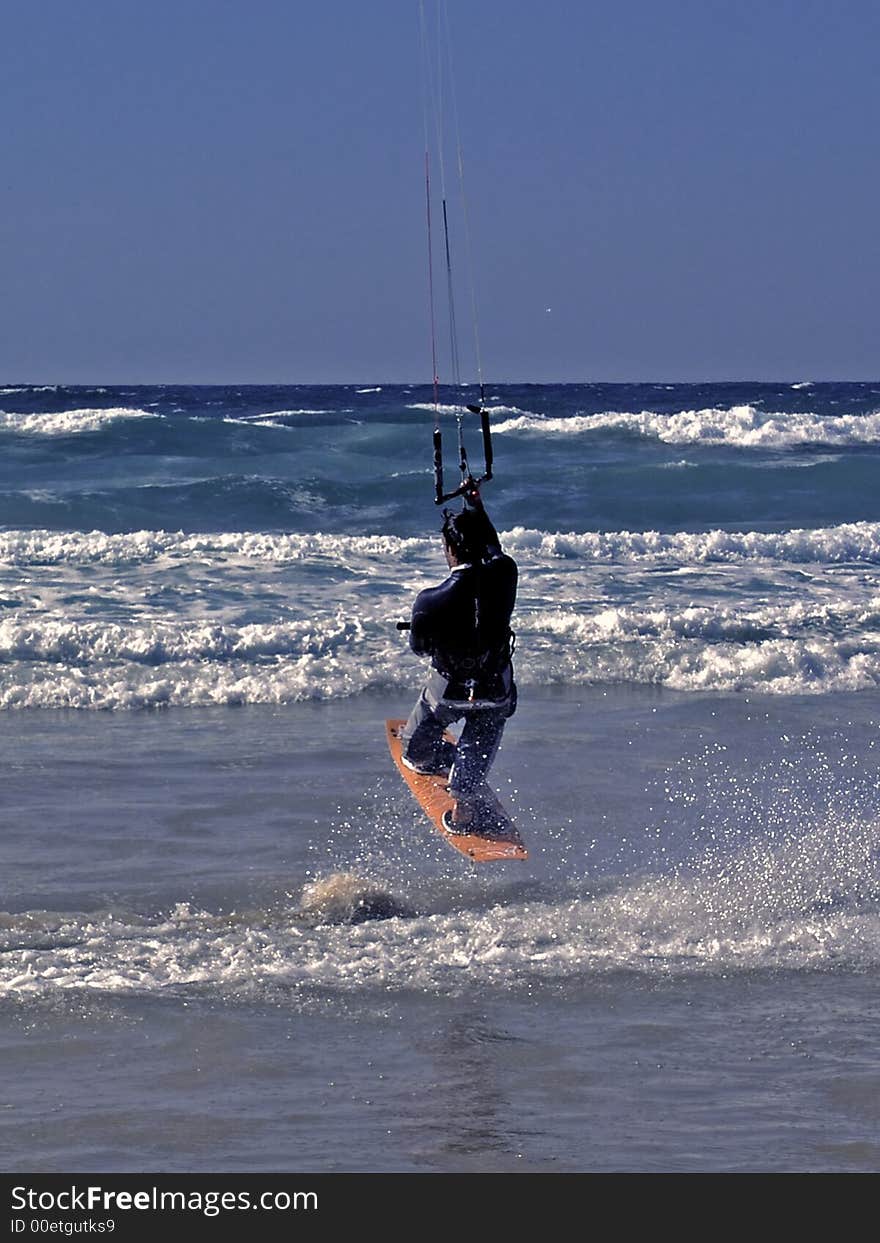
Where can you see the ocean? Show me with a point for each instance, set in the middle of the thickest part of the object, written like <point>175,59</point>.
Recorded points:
<point>229,940</point>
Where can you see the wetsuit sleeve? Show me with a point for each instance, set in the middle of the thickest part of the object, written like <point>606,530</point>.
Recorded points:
<point>490,535</point>
<point>421,638</point>
<point>497,604</point>
<point>493,543</point>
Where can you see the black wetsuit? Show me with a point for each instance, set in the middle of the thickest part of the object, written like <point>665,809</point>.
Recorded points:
<point>464,625</point>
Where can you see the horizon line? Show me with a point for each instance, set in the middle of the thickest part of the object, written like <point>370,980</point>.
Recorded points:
<point>376,383</point>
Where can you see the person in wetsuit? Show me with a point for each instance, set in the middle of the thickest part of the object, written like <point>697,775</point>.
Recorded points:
<point>464,626</point>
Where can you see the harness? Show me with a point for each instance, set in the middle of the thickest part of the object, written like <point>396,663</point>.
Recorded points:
<point>477,681</point>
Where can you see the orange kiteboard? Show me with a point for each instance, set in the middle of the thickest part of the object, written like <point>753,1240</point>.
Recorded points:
<point>493,837</point>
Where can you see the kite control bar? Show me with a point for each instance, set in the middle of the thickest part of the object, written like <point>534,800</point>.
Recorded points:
<point>468,483</point>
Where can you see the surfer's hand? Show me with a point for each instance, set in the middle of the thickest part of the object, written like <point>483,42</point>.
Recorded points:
<point>472,494</point>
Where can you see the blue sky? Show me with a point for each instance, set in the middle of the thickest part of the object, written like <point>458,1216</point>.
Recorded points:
<point>220,191</point>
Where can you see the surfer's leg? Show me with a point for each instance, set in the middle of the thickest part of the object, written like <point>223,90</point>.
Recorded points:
<point>477,748</point>
<point>422,736</point>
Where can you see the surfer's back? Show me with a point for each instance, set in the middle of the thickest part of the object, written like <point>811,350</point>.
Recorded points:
<point>469,611</point>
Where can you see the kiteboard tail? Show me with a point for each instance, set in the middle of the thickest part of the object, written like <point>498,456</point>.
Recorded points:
<point>492,836</point>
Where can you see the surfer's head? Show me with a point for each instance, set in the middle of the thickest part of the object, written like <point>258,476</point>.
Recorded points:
<point>464,536</point>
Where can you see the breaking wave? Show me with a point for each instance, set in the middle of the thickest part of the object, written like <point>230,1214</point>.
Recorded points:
<point>155,618</point>
<point>801,648</point>
<point>69,422</point>
<point>845,542</point>
<point>740,426</point>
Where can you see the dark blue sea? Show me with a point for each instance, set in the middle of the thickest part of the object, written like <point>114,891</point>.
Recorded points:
<point>228,938</point>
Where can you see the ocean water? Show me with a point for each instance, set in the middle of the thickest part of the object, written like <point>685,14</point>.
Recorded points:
<point>229,940</point>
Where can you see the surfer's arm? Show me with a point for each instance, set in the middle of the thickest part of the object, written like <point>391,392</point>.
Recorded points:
<point>421,637</point>
<point>490,535</point>
<point>420,642</point>
<point>493,543</point>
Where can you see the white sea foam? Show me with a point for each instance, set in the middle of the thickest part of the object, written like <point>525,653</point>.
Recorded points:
<point>91,619</point>
<point>37,388</point>
<point>272,418</point>
<point>457,410</point>
<point>740,426</point>
<point>82,643</point>
<point>849,541</point>
<point>69,422</point>
<point>47,662</point>
<point>42,547</point>
<point>804,900</point>
<point>798,649</point>
<point>440,408</point>
<point>846,542</point>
